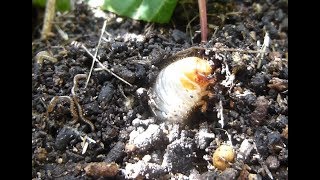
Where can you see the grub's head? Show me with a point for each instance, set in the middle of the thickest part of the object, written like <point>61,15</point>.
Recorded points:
<point>197,72</point>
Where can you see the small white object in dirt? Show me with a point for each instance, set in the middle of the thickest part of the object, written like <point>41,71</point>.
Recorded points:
<point>244,150</point>
<point>220,113</point>
<point>207,52</point>
<point>85,146</point>
<point>135,133</point>
<point>133,37</point>
<point>148,138</point>
<point>245,93</point>
<point>128,102</point>
<point>141,91</point>
<point>236,57</point>
<point>85,143</point>
<point>146,158</point>
<point>194,174</point>
<point>228,82</point>
<point>254,177</point>
<point>59,160</point>
<point>203,137</point>
<point>63,34</point>
<point>173,132</point>
<point>139,122</point>
<point>263,49</point>
<point>144,169</point>
<point>206,156</point>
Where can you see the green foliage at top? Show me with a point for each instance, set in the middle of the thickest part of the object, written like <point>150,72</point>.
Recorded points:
<point>61,5</point>
<point>159,11</point>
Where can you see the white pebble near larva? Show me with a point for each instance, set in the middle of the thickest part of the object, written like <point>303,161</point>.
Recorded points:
<point>179,88</point>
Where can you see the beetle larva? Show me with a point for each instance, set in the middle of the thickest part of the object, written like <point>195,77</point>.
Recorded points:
<point>179,88</point>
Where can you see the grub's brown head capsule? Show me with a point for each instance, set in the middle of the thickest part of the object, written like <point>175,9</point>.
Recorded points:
<point>178,88</point>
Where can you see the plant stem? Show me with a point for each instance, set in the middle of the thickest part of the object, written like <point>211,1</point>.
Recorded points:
<point>203,20</point>
<point>48,19</point>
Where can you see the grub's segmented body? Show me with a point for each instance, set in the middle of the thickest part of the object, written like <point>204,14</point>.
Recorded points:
<point>179,88</point>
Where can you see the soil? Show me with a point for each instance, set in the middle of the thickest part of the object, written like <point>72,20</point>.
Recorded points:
<point>127,140</point>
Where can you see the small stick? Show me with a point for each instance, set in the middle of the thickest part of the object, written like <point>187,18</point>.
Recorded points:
<point>203,20</point>
<point>95,54</point>
<point>214,49</point>
<point>103,67</point>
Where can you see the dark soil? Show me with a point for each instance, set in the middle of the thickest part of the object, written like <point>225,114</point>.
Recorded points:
<point>255,107</point>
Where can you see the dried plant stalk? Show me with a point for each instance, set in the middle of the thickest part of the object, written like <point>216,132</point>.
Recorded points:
<point>203,20</point>
<point>48,19</point>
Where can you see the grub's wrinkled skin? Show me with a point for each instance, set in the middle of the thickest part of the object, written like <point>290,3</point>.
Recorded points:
<point>179,88</point>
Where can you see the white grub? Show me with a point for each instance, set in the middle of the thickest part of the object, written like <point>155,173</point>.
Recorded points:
<point>178,89</point>
<point>244,150</point>
<point>147,139</point>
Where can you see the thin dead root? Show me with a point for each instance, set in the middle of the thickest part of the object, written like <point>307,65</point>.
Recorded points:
<point>95,54</point>
<point>100,64</point>
<point>188,27</point>
<point>63,34</point>
<point>121,90</point>
<point>263,49</point>
<point>192,49</point>
<point>48,19</point>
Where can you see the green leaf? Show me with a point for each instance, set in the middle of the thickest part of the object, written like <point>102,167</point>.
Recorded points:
<point>159,11</point>
<point>61,5</point>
